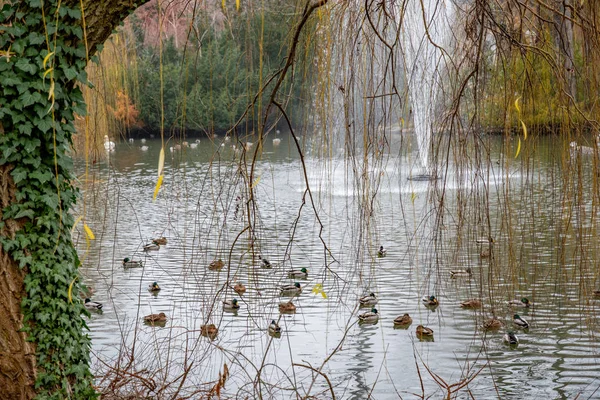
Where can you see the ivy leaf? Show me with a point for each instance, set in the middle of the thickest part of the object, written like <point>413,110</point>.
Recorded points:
<point>36,38</point>
<point>25,213</point>
<point>19,174</point>
<point>70,73</point>
<point>43,177</point>
<point>27,99</point>
<point>24,65</point>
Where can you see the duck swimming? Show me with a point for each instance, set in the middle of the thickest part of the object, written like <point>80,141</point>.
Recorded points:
<point>430,301</point>
<point>510,338</point>
<point>239,288</point>
<point>127,263</point>
<point>92,305</point>
<point>524,302</point>
<point>403,320</point>
<point>472,303</point>
<point>294,289</point>
<point>369,316</point>
<point>465,273</point>
<point>520,322</point>
<point>151,247</point>
<point>154,287</point>
<point>231,305</point>
<point>160,241</point>
<point>216,264</point>
<point>155,318</point>
<point>492,324</point>
<point>288,307</point>
<point>210,331</point>
<point>382,252</point>
<point>298,273</point>
<point>368,300</point>
<point>424,331</point>
<point>274,328</point>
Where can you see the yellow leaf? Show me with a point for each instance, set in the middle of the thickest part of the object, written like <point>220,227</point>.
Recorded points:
<point>255,183</point>
<point>47,58</point>
<point>161,161</point>
<point>89,232</point>
<point>70,292</point>
<point>157,188</point>
<point>524,130</point>
<point>402,121</point>
<point>517,105</point>
<point>317,288</point>
<point>237,5</point>
<point>47,72</point>
<point>223,5</point>
<point>78,220</point>
<point>323,294</point>
<point>413,197</point>
<point>518,148</point>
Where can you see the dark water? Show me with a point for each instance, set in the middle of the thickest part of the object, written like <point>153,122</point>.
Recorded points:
<point>541,209</point>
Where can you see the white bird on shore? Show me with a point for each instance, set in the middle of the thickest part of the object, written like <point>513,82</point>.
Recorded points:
<point>108,145</point>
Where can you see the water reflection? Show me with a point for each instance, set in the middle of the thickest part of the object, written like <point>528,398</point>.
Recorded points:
<point>544,249</point>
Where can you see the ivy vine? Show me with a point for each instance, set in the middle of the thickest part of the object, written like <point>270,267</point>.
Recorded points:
<point>42,57</point>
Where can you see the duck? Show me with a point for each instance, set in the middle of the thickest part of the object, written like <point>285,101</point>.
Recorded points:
<point>231,305</point>
<point>127,263</point>
<point>216,264</point>
<point>382,252</point>
<point>155,318</point>
<point>403,320</point>
<point>154,287</point>
<point>291,289</point>
<point>424,331</point>
<point>488,240</point>
<point>368,300</point>
<point>465,272</point>
<point>239,288</point>
<point>265,263</point>
<point>209,331</point>
<point>472,303</point>
<point>160,241</point>
<point>92,305</point>
<point>369,316</point>
<point>143,140</point>
<point>108,144</point>
<point>144,148</point>
<point>193,145</point>
<point>524,302</point>
<point>510,338</point>
<point>520,322</point>
<point>151,247</point>
<point>492,324</point>
<point>301,273</point>
<point>274,328</point>
<point>276,142</point>
<point>288,307</point>
<point>430,301</point>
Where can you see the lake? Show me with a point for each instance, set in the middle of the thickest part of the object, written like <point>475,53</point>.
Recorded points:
<point>540,208</point>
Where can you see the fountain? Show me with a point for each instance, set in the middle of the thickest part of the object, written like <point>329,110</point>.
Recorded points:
<point>426,30</point>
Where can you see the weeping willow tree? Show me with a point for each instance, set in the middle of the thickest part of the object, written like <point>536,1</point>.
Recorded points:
<point>517,68</point>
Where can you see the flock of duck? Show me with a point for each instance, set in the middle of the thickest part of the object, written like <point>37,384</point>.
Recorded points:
<point>431,302</point>
<point>295,289</point>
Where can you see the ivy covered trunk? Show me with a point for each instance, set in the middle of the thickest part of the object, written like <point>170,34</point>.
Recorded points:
<point>44,348</point>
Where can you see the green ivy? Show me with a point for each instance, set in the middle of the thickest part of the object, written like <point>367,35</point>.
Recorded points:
<point>36,143</point>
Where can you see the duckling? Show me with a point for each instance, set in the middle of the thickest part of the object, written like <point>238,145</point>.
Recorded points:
<point>127,263</point>
<point>288,307</point>
<point>210,331</point>
<point>472,303</point>
<point>265,263</point>
<point>92,305</point>
<point>369,316</point>
<point>151,247</point>
<point>369,300</point>
<point>293,290</point>
<point>298,273</point>
<point>424,331</point>
<point>239,288</point>
<point>153,319</point>
<point>160,241</point>
<point>231,305</point>
<point>216,264</point>
<point>520,322</point>
<point>274,328</point>
<point>510,338</point>
<point>492,324</point>
<point>430,301</point>
<point>154,287</point>
<point>466,273</point>
<point>403,320</point>
<point>382,252</point>
<point>524,302</point>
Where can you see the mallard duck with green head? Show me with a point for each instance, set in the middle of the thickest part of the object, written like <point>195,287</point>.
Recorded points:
<point>274,328</point>
<point>471,303</point>
<point>524,302</point>
<point>461,273</point>
<point>520,322</point>
<point>291,290</point>
<point>382,252</point>
<point>154,287</point>
<point>510,338</point>
<point>288,308</point>
<point>430,301</point>
<point>265,263</point>
<point>368,300</point>
<point>369,316</point>
<point>127,263</point>
<point>301,273</point>
<point>403,320</point>
<point>231,305</point>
